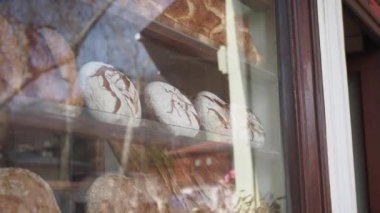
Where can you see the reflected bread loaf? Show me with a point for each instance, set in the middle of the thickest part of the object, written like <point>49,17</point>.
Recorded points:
<point>26,189</point>
<point>36,62</point>
<point>53,64</point>
<point>205,18</point>
<point>14,70</point>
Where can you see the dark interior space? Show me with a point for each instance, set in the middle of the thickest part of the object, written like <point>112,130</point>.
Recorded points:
<point>363,62</point>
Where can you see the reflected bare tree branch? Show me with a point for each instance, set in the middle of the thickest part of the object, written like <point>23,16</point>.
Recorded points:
<point>78,40</point>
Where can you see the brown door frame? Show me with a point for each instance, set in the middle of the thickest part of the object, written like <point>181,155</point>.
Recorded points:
<point>303,118</point>
<point>367,64</point>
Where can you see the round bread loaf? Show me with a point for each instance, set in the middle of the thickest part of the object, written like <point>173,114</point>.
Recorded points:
<point>26,189</point>
<point>207,18</point>
<point>108,90</point>
<point>251,129</point>
<point>36,62</point>
<point>14,70</point>
<point>168,105</point>
<point>256,130</point>
<point>214,115</point>
<point>213,112</point>
<point>116,193</point>
<point>53,63</point>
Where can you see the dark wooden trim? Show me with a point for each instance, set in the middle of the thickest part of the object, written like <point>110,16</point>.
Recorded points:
<point>291,156</point>
<point>370,21</point>
<point>303,107</point>
<point>366,64</point>
<point>370,9</point>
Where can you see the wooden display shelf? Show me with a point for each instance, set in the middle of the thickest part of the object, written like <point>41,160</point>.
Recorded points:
<point>53,117</point>
<point>257,4</point>
<point>180,42</point>
<point>38,114</point>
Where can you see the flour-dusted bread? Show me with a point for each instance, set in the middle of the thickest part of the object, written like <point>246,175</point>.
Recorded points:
<point>109,92</point>
<point>256,130</point>
<point>116,193</point>
<point>169,106</point>
<point>26,189</point>
<point>213,113</point>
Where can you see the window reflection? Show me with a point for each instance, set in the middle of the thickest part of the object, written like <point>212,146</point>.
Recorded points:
<point>117,100</point>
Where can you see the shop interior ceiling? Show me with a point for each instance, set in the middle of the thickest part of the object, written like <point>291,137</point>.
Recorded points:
<point>362,17</point>
<point>353,34</point>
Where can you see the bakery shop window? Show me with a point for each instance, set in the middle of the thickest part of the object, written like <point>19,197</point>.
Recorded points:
<point>141,106</point>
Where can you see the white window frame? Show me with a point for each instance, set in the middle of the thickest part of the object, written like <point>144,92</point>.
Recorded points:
<point>337,109</point>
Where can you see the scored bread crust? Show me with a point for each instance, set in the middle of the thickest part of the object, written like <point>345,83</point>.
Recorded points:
<point>208,18</point>
<point>168,105</point>
<point>106,89</point>
<point>213,112</point>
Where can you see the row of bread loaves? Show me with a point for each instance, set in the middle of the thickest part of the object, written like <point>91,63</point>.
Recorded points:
<point>22,191</point>
<point>42,65</point>
<point>108,90</point>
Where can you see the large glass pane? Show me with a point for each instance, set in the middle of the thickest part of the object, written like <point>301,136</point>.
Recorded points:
<point>140,106</point>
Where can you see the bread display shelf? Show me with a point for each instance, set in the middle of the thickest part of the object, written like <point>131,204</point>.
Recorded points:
<point>179,41</point>
<point>258,4</point>
<point>37,114</point>
<point>162,41</point>
<point>211,146</point>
